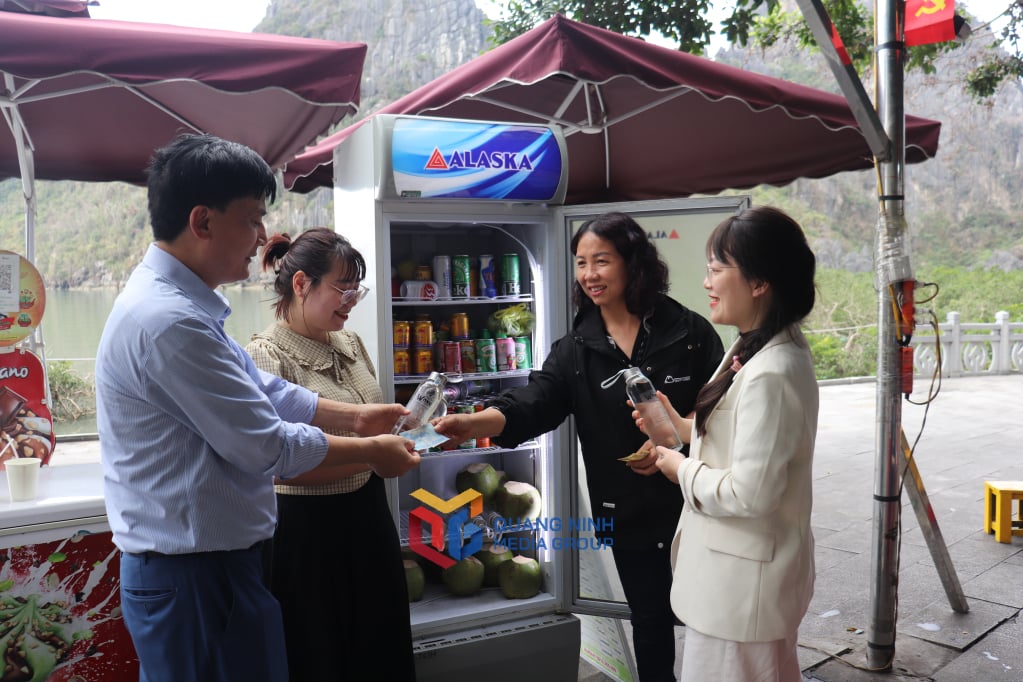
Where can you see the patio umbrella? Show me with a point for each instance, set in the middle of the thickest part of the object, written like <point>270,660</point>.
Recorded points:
<point>53,8</point>
<point>642,121</point>
<point>86,99</point>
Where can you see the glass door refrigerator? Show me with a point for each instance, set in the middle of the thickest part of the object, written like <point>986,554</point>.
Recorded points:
<point>467,251</point>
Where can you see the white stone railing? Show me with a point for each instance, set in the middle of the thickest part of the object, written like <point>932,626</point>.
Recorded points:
<point>970,347</point>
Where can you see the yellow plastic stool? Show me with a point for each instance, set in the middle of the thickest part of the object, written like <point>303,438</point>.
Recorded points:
<point>998,497</point>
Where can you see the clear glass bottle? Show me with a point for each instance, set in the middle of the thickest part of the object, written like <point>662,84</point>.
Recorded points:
<point>656,420</point>
<point>425,404</point>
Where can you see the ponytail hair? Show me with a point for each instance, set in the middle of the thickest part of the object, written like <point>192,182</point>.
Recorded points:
<point>767,246</point>
<point>314,252</point>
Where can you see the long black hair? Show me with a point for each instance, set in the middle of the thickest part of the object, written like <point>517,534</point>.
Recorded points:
<point>768,247</point>
<point>648,274</point>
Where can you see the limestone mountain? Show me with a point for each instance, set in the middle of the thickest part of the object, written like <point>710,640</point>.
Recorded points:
<point>964,207</point>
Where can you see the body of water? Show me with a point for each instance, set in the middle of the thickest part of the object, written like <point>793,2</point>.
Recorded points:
<point>73,322</point>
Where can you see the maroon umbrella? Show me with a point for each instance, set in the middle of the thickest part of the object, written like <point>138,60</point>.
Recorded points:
<point>97,97</point>
<point>53,8</point>
<point>642,121</point>
<point>86,99</point>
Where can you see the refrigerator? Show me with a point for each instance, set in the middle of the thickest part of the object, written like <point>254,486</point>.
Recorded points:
<point>408,189</point>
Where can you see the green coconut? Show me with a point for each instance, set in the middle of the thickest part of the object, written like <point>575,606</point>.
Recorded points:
<point>502,478</point>
<point>465,577</point>
<point>430,570</point>
<point>479,476</point>
<point>491,557</point>
<point>517,501</point>
<point>415,579</point>
<point>519,577</point>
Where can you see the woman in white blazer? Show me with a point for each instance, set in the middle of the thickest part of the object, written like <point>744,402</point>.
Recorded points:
<point>742,555</point>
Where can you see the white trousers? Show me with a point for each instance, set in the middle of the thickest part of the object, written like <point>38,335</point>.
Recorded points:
<point>709,658</point>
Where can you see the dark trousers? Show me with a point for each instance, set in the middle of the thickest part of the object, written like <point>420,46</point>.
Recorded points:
<point>646,579</point>
<point>338,574</point>
<point>204,616</point>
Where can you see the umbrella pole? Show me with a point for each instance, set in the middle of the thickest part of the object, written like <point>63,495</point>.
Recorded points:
<point>893,270</point>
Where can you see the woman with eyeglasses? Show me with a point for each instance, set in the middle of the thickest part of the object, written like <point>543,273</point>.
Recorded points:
<point>336,608</point>
<point>743,551</point>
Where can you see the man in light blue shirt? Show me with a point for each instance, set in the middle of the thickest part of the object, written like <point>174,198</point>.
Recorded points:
<point>192,434</point>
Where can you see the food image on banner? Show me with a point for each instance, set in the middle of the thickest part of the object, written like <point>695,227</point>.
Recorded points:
<point>22,298</point>
<point>26,425</point>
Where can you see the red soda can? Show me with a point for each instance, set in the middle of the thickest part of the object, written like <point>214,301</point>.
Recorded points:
<point>451,352</point>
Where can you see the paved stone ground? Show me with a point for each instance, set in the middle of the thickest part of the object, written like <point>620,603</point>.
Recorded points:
<point>973,432</point>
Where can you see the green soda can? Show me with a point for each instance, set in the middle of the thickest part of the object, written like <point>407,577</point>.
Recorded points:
<point>523,354</point>
<point>486,353</point>
<point>460,276</point>
<point>466,408</point>
<point>510,285</point>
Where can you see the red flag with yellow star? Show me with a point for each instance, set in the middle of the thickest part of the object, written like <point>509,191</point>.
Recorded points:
<point>929,21</point>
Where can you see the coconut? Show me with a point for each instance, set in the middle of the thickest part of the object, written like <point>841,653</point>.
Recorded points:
<point>465,577</point>
<point>414,579</point>
<point>519,577</point>
<point>491,557</point>
<point>502,478</point>
<point>517,501</point>
<point>430,569</point>
<point>479,476</point>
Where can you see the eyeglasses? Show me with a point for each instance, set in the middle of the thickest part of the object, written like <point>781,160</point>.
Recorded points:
<point>715,270</point>
<point>352,296</point>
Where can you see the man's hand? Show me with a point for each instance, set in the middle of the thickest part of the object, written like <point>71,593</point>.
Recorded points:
<point>392,456</point>
<point>374,419</point>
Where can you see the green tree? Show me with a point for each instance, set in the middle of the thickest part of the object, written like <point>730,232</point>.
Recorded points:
<point>764,23</point>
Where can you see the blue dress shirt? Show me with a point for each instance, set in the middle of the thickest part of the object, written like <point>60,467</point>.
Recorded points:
<point>191,431</point>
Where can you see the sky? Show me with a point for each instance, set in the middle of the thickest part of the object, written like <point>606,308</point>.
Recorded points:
<point>243,15</point>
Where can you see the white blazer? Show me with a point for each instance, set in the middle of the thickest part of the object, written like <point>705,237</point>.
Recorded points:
<point>743,552</point>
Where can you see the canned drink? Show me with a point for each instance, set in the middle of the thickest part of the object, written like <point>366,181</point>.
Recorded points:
<point>481,441</point>
<point>504,350</point>
<point>468,352</point>
<point>486,358</point>
<point>476,387</point>
<point>422,360</point>
<point>474,280</point>
<point>422,333</point>
<point>488,275</point>
<point>460,276</point>
<point>425,290</point>
<point>452,354</point>
<point>423,273</point>
<point>402,330</point>
<point>510,285</point>
<point>442,275</point>
<point>460,326</point>
<point>402,361</point>
<point>523,353</point>
<point>466,408</point>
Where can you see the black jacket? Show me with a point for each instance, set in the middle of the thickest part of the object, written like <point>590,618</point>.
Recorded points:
<point>681,352</point>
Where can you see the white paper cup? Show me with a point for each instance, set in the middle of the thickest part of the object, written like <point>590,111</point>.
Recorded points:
<point>22,477</point>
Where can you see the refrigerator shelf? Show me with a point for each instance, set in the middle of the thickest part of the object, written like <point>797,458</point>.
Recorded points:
<point>418,378</point>
<point>475,300</point>
<point>528,445</point>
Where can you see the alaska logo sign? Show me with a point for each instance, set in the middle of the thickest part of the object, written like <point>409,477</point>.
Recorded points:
<point>661,234</point>
<point>441,158</point>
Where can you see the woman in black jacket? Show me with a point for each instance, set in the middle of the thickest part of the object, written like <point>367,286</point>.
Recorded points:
<point>624,319</point>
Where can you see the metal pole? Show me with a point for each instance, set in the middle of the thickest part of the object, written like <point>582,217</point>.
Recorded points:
<point>892,267</point>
